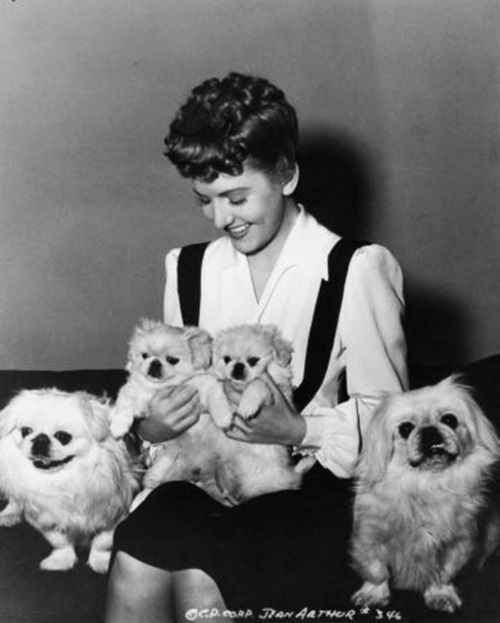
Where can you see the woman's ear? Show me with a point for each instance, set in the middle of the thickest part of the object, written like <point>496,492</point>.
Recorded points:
<point>291,184</point>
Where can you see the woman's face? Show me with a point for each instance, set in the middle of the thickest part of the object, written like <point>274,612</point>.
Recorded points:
<point>253,209</point>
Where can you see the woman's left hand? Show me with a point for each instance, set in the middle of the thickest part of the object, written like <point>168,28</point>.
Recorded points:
<point>277,423</point>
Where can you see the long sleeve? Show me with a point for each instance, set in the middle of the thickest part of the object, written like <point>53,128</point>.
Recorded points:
<point>373,351</point>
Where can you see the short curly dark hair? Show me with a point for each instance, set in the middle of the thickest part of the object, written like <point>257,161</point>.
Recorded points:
<point>228,122</point>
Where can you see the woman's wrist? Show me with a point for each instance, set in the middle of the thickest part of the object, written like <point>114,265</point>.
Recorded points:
<point>299,430</point>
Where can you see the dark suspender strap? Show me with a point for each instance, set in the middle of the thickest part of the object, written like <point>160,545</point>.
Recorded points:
<point>189,281</point>
<point>325,320</point>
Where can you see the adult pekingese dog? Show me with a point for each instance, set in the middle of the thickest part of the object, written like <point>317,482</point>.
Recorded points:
<point>64,473</point>
<point>160,356</point>
<point>422,509</point>
<point>233,471</point>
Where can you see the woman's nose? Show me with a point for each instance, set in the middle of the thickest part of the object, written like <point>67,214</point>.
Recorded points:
<point>221,214</point>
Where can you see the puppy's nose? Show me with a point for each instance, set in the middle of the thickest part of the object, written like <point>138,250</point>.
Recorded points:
<point>238,372</point>
<point>40,445</point>
<point>155,369</point>
<point>431,441</point>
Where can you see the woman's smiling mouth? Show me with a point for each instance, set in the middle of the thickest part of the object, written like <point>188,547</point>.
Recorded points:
<point>238,231</point>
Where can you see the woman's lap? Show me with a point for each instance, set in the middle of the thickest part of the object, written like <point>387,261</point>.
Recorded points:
<point>281,549</point>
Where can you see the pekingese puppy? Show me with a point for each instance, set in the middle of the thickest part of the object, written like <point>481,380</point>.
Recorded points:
<point>233,471</point>
<point>160,356</point>
<point>64,473</point>
<point>242,354</point>
<point>421,508</point>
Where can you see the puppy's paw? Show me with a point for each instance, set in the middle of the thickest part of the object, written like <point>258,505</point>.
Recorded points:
<point>59,560</point>
<point>221,413</point>
<point>256,395</point>
<point>10,516</point>
<point>442,597</point>
<point>372,595</point>
<point>119,427</point>
<point>98,560</point>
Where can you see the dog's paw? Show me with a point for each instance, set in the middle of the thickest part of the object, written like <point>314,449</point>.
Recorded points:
<point>98,560</point>
<point>442,597</point>
<point>372,595</point>
<point>222,415</point>
<point>59,560</point>
<point>9,518</point>
<point>118,428</point>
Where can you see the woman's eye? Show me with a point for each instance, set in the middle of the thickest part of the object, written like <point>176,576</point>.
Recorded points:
<point>448,419</point>
<point>226,359</point>
<point>238,202</point>
<point>173,361</point>
<point>253,361</point>
<point>405,429</point>
<point>26,430</point>
<point>63,437</point>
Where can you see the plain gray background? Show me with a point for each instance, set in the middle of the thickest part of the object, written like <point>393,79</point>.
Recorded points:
<point>399,102</point>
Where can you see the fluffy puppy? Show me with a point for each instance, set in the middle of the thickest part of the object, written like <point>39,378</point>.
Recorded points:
<point>64,473</point>
<point>159,356</point>
<point>232,471</point>
<point>422,509</point>
<point>242,355</point>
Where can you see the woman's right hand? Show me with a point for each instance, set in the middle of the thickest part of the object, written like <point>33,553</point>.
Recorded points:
<point>172,411</point>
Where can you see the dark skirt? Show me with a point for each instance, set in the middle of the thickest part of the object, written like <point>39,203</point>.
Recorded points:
<point>285,549</point>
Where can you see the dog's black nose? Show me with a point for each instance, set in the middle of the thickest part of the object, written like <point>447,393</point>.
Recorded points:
<point>40,445</point>
<point>431,441</point>
<point>155,369</point>
<point>238,372</point>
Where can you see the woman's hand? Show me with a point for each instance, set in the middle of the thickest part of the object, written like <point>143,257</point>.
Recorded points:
<point>172,411</point>
<point>276,423</point>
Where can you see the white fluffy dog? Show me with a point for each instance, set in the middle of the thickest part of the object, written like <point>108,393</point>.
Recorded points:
<point>421,508</point>
<point>161,356</point>
<point>233,471</point>
<point>64,473</point>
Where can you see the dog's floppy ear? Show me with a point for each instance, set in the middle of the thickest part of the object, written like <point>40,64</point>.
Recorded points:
<point>485,432</point>
<point>7,418</point>
<point>199,342</point>
<point>283,349</point>
<point>96,412</point>
<point>377,448</point>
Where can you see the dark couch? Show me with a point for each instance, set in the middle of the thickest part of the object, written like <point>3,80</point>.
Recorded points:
<point>28,595</point>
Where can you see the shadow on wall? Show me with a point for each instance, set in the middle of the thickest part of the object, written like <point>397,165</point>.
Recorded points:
<point>437,327</point>
<point>338,186</point>
<point>336,183</point>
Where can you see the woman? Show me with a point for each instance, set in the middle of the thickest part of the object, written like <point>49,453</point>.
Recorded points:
<point>236,140</point>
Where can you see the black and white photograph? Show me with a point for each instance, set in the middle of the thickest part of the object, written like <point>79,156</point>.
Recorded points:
<point>249,311</point>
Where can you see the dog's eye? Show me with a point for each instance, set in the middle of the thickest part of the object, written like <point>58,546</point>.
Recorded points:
<point>173,361</point>
<point>26,430</point>
<point>63,437</point>
<point>144,355</point>
<point>226,359</point>
<point>405,429</point>
<point>253,361</point>
<point>449,420</point>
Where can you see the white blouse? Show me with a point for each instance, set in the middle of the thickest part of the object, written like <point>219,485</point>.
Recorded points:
<point>369,344</point>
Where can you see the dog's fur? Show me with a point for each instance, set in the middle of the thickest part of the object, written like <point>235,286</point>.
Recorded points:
<point>62,471</point>
<point>233,471</point>
<point>160,356</point>
<point>422,510</point>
